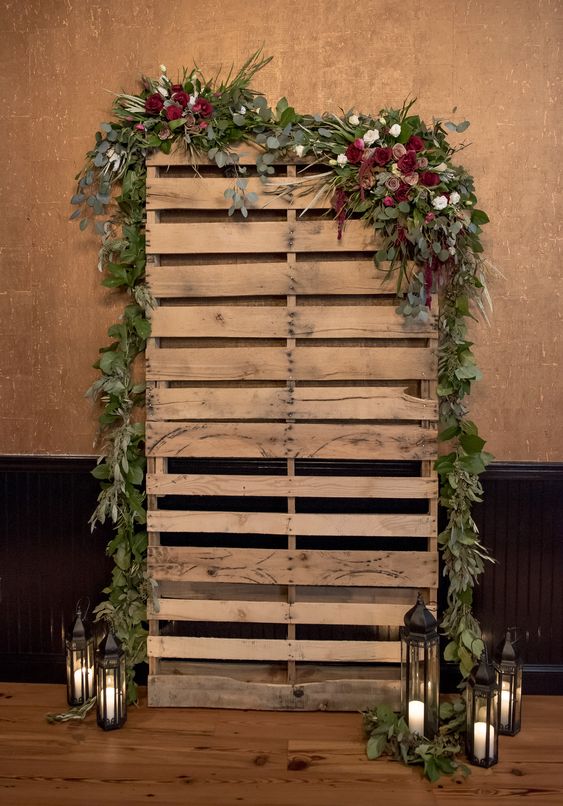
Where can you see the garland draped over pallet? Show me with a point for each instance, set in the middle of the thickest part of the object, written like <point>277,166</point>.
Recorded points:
<point>392,171</point>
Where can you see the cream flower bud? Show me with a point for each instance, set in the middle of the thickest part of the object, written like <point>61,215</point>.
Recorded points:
<point>162,68</point>
<point>354,120</point>
<point>342,159</point>
<point>454,197</point>
<point>371,136</point>
<point>299,150</point>
<point>440,202</point>
<point>395,130</point>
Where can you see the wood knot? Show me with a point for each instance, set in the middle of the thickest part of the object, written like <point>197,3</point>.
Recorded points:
<point>211,572</point>
<point>297,763</point>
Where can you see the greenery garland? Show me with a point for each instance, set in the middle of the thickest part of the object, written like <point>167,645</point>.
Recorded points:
<point>394,172</point>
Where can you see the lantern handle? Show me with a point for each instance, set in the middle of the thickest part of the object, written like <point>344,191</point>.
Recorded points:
<point>517,632</point>
<point>83,607</point>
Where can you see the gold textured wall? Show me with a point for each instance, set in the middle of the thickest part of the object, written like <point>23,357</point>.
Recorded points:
<point>497,61</point>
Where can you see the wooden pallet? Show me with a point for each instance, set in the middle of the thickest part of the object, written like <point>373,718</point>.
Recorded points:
<point>291,431</point>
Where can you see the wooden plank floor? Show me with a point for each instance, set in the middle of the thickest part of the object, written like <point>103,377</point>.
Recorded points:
<point>219,758</point>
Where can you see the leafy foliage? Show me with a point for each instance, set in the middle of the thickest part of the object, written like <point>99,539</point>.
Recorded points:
<point>392,171</point>
<point>388,734</point>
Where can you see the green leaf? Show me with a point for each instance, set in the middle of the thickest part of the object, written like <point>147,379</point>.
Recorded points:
<point>471,443</point>
<point>375,746</point>
<point>450,652</point>
<point>448,433</point>
<point>479,217</point>
<point>83,224</point>
<point>142,327</point>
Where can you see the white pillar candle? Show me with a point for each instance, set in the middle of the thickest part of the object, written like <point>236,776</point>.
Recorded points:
<point>79,683</point>
<point>416,717</point>
<point>109,700</point>
<point>480,740</point>
<point>504,707</point>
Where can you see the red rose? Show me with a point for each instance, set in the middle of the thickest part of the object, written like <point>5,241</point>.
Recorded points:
<point>407,163</point>
<point>181,98</point>
<point>177,88</point>
<point>388,201</point>
<point>154,104</point>
<point>382,155</point>
<point>204,108</point>
<point>354,153</point>
<point>402,194</point>
<point>429,217</point>
<point>429,179</point>
<point>415,143</point>
<point>173,112</point>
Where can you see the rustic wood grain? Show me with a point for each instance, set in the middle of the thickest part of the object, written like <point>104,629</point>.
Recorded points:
<point>241,279</point>
<point>278,440</point>
<point>209,757</point>
<point>284,567</point>
<point>301,364</point>
<point>299,486</point>
<point>226,237</point>
<point>291,524</point>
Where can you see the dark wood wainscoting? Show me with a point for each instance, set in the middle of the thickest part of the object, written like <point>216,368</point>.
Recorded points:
<point>49,558</point>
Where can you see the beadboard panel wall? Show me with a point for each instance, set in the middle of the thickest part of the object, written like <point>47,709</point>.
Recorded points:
<point>49,558</point>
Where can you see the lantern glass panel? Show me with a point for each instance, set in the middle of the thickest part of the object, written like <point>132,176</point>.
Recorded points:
<point>510,685</point>
<point>420,681</point>
<point>482,726</point>
<point>111,687</point>
<point>79,669</point>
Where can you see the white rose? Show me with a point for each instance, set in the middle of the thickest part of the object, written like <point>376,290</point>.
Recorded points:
<point>354,120</point>
<point>441,167</point>
<point>395,130</point>
<point>299,150</point>
<point>342,159</point>
<point>162,68</point>
<point>454,197</point>
<point>371,136</point>
<point>439,202</point>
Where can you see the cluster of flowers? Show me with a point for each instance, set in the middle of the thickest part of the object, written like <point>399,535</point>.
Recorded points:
<point>399,167</point>
<point>176,102</point>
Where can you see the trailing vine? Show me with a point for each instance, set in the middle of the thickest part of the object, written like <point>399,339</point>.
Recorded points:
<point>392,171</point>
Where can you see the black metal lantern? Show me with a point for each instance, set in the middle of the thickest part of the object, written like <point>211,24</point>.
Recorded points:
<point>482,714</point>
<point>420,670</point>
<point>111,701</point>
<point>508,667</point>
<point>79,646</point>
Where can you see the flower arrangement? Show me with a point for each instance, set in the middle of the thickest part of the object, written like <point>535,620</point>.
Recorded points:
<point>395,173</point>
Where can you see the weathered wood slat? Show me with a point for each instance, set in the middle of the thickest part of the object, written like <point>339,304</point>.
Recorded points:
<point>251,279</point>
<point>258,237</point>
<point>300,364</point>
<point>266,612</point>
<point>304,403</point>
<point>332,322</point>
<point>207,193</point>
<point>280,440</point>
<point>275,523</point>
<point>298,486</point>
<point>284,567</point>
<point>209,691</point>
<point>273,650</point>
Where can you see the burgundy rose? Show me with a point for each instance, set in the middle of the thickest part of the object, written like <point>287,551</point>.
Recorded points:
<point>415,143</point>
<point>154,104</point>
<point>173,112</point>
<point>382,155</point>
<point>204,108</point>
<point>407,163</point>
<point>355,151</point>
<point>388,201</point>
<point>402,194</point>
<point>177,88</point>
<point>429,179</point>
<point>181,98</point>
